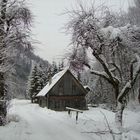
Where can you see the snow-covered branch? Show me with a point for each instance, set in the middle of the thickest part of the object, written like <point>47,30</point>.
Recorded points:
<point>131,82</point>
<point>116,67</point>
<point>102,74</point>
<point>110,76</point>
<point>112,69</point>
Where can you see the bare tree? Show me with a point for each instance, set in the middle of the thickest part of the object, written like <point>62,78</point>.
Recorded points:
<point>15,20</point>
<point>88,33</point>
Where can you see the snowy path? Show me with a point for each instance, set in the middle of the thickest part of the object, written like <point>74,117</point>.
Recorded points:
<point>36,123</point>
<point>31,122</point>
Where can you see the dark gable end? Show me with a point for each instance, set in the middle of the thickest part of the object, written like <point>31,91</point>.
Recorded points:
<point>57,83</point>
<point>77,82</point>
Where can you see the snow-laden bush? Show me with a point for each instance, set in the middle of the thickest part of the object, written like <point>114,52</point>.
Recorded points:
<point>2,121</point>
<point>13,118</point>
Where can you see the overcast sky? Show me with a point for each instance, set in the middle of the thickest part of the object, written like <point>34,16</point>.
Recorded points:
<point>49,22</point>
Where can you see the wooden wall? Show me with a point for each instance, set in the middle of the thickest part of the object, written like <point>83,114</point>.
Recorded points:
<point>67,86</point>
<point>66,93</point>
<point>57,103</point>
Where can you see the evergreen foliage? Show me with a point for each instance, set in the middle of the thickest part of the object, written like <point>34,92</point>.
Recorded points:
<point>54,68</point>
<point>60,66</point>
<point>37,80</point>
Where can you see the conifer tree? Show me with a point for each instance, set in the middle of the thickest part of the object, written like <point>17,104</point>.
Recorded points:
<point>61,66</point>
<point>37,80</point>
<point>33,84</point>
<point>54,68</point>
<point>43,74</point>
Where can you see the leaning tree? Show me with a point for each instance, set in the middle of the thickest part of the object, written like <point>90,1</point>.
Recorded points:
<point>105,43</point>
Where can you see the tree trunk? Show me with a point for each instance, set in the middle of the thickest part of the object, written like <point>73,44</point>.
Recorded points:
<point>120,108</point>
<point>32,100</point>
<point>3,107</point>
<point>116,88</point>
<point>119,115</point>
<point>3,5</point>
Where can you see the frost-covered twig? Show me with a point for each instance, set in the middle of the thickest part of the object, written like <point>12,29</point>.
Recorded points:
<point>102,132</point>
<point>110,130</point>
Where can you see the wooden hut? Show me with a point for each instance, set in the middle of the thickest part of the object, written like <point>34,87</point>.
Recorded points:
<point>63,90</point>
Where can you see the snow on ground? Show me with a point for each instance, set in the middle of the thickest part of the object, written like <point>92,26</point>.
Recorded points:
<point>31,122</point>
<point>132,122</point>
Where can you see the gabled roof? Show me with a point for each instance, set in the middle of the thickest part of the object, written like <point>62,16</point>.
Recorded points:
<point>55,79</point>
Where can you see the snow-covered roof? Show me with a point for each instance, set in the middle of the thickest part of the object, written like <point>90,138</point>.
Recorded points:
<point>55,79</point>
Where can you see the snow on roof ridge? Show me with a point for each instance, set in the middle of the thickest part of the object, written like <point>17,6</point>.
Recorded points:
<point>55,79</point>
